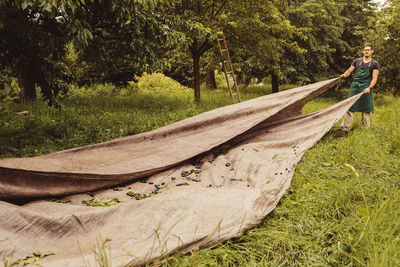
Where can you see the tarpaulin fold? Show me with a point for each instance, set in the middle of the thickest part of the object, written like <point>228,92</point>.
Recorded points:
<point>210,177</point>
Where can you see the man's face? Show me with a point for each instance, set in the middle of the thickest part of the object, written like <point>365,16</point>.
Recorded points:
<point>368,51</point>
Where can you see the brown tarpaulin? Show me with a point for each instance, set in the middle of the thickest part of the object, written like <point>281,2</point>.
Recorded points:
<point>247,150</point>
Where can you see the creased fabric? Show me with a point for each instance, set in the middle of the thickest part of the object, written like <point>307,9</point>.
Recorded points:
<point>211,177</point>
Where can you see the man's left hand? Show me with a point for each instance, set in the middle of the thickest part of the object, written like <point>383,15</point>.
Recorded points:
<point>367,90</point>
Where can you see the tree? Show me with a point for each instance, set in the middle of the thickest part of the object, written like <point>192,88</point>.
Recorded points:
<point>179,64</point>
<point>195,19</point>
<point>128,39</point>
<point>35,34</point>
<point>256,32</point>
<point>359,16</point>
<point>385,34</point>
<point>33,39</point>
<point>210,79</point>
<point>323,27</point>
<point>262,36</point>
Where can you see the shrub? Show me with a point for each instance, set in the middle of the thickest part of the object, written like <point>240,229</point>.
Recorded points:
<point>155,84</point>
<point>9,88</point>
<point>158,84</point>
<point>220,79</point>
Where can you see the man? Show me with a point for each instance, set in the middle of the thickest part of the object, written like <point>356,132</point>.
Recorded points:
<point>365,78</point>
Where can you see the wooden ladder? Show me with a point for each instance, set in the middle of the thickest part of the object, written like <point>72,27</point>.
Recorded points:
<point>227,65</point>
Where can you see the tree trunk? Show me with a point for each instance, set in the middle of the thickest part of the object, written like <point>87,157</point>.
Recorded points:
<point>197,51</point>
<point>210,79</point>
<point>26,84</point>
<point>241,78</point>
<point>274,83</point>
<point>196,71</point>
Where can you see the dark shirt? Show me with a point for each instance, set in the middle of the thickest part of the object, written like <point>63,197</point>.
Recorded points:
<point>374,64</point>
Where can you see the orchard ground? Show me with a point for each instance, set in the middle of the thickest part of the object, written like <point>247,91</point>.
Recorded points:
<point>343,204</point>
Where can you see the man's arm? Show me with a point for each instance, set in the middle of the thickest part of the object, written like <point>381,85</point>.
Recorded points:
<point>347,72</point>
<point>375,74</point>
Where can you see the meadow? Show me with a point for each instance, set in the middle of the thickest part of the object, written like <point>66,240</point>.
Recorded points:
<point>341,209</point>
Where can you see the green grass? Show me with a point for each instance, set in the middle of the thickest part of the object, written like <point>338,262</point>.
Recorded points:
<point>92,119</point>
<point>323,219</point>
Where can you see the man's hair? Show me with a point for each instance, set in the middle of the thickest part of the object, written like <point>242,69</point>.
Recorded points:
<point>370,45</point>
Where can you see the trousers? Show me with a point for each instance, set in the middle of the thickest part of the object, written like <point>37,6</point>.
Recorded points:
<point>348,120</point>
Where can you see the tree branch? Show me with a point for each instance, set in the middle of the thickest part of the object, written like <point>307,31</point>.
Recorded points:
<point>219,9</point>
<point>205,46</point>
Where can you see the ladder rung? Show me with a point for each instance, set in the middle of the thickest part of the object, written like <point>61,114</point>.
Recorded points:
<point>234,93</point>
<point>224,50</point>
<point>221,39</point>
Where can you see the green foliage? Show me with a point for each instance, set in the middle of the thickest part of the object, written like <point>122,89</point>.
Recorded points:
<point>384,33</point>
<point>55,200</point>
<point>261,36</point>
<point>8,87</point>
<point>28,260</point>
<point>49,43</point>
<point>153,84</point>
<point>321,26</point>
<point>114,40</point>
<point>139,196</point>
<point>360,17</point>
<point>99,202</point>
<point>128,38</point>
<point>33,39</point>
<point>158,84</point>
<point>296,41</point>
<point>195,19</point>
<point>179,66</point>
<point>220,79</point>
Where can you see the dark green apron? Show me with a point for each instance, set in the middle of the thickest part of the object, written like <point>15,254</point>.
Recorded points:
<point>362,79</point>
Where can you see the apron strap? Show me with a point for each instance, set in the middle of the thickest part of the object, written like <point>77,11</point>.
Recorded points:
<point>361,61</point>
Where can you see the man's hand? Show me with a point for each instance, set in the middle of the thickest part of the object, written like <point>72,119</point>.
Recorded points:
<point>343,75</point>
<point>367,90</point>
